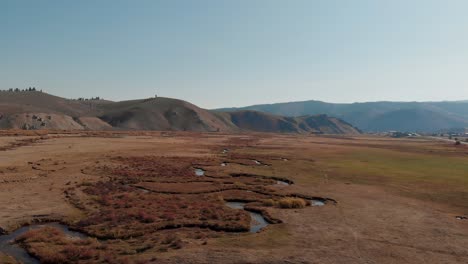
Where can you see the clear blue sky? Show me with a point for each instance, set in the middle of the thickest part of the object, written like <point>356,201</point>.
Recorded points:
<point>218,53</point>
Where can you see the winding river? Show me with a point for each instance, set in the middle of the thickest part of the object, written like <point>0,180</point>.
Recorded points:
<point>257,222</point>
<point>8,247</point>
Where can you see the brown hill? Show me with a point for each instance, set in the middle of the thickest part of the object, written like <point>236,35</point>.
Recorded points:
<point>37,110</point>
<point>39,102</point>
<point>162,114</point>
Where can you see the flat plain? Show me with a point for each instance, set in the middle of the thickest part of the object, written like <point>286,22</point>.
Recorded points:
<point>163,197</point>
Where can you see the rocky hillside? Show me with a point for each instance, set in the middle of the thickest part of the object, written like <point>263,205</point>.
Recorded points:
<point>37,110</point>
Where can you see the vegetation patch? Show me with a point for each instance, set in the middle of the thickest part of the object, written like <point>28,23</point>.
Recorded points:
<point>123,213</point>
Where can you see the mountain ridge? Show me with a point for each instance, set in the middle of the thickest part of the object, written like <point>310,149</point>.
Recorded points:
<point>37,110</point>
<point>369,116</point>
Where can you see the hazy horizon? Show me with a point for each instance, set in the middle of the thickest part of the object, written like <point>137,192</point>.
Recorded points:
<point>242,106</point>
<point>238,53</point>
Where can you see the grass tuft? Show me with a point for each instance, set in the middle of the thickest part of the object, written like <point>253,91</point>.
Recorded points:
<point>292,203</point>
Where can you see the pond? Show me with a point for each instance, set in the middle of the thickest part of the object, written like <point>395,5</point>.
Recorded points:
<point>316,202</point>
<point>199,172</point>
<point>280,182</point>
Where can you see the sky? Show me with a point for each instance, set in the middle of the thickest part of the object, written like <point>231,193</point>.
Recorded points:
<point>220,53</point>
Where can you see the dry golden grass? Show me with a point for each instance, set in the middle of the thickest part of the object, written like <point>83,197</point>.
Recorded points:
<point>292,203</point>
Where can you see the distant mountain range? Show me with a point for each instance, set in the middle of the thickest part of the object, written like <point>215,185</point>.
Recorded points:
<point>37,110</point>
<point>378,116</point>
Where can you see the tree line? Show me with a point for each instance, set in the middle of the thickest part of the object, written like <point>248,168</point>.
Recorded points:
<point>30,89</point>
<point>89,99</point>
<point>33,89</point>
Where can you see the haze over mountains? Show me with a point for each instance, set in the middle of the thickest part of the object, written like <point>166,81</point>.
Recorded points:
<point>379,116</point>
<point>37,110</point>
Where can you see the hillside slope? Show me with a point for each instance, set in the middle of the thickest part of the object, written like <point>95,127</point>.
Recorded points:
<point>161,114</point>
<point>38,110</point>
<point>259,121</point>
<point>39,102</point>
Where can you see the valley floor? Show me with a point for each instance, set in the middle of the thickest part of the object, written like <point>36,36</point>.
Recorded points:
<point>137,197</point>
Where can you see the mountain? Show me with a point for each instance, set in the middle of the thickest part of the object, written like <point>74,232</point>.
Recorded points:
<point>37,110</point>
<point>415,120</point>
<point>260,121</point>
<point>378,116</point>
